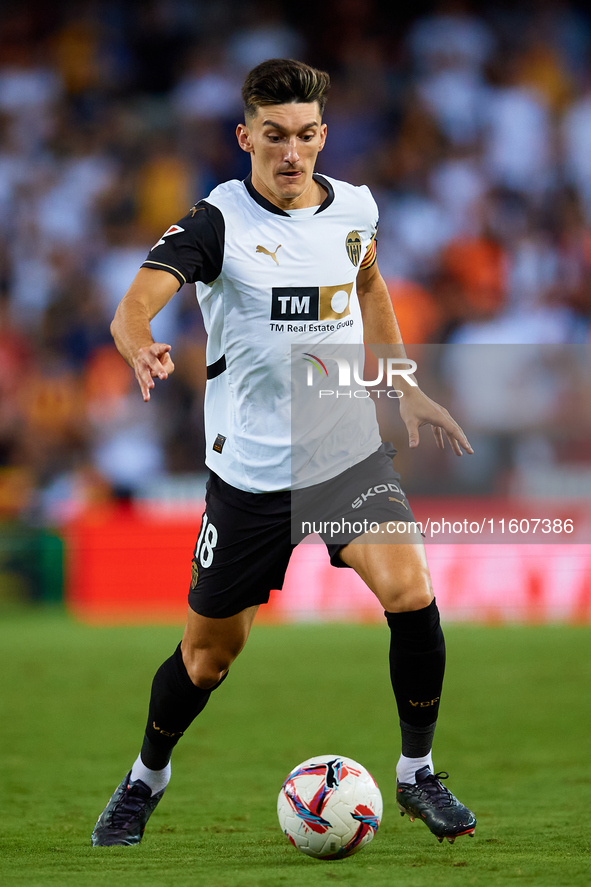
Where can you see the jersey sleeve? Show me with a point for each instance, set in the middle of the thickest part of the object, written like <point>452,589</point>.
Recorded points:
<point>370,256</point>
<point>371,251</point>
<point>193,249</point>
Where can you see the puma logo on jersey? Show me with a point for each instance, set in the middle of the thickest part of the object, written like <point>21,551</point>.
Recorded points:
<point>263,249</point>
<point>196,209</point>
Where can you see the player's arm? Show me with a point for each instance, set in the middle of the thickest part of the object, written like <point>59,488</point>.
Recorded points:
<point>380,328</point>
<point>149,292</point>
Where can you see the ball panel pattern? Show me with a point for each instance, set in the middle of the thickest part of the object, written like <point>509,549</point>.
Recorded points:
<point>329,807</point>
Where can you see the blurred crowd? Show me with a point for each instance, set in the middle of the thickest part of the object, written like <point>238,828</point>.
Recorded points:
<point>471,123</point>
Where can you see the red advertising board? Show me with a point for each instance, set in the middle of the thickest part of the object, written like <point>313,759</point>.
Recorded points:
<point>131,567</point>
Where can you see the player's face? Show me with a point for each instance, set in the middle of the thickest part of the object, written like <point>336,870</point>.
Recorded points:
<point>284,141</point>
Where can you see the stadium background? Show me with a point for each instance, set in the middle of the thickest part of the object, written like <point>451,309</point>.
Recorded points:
<point>472,125</point>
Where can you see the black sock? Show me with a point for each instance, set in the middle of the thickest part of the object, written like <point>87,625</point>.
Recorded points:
<point>175,702</point>
<point>417,664</point>
<point>417,742</point>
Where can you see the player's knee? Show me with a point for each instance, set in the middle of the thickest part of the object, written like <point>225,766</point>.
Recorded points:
<point>207,667</point>
<point>206,674</point>
<point>406,589</point>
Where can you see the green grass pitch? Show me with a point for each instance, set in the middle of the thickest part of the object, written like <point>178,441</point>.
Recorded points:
<point>514,733</point>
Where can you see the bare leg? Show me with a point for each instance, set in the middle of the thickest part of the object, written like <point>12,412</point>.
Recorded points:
<point>209,646</point>
<point>397,572</point>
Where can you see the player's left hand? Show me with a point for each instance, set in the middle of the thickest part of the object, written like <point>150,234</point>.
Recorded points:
<point>417,409</point>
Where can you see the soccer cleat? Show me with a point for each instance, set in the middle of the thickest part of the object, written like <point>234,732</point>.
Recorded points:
<point>432,802</point>
<point>124,819</point>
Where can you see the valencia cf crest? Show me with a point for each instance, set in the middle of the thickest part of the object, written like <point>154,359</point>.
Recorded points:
<point>353,244</point>
<point>194,574</point>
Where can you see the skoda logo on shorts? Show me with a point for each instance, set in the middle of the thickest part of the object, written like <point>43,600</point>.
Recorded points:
<point>374,491</point>
<point>311,302</point>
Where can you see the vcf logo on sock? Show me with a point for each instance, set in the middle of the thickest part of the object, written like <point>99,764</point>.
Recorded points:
<point>426,704</point>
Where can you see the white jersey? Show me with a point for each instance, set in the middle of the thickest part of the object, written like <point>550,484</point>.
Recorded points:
<point>268,281</point>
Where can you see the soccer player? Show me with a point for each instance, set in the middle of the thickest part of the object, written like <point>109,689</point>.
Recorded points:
<point>281,259</point>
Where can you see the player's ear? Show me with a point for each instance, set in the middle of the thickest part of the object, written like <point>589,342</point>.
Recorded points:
<point>244,137</point>
<point>322,136</point>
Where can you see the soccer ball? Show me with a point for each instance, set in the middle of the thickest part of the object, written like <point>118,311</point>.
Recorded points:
<point>329,807</point>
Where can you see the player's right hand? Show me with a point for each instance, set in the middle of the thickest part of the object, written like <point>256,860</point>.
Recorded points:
<point>152,361</point>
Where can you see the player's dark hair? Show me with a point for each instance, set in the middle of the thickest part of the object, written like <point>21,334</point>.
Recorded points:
<point>281,82</point>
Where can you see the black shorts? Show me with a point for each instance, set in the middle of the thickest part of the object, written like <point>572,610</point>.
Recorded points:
<point>246,539</point>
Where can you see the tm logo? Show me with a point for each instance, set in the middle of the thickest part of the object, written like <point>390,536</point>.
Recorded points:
<point>311,302</point>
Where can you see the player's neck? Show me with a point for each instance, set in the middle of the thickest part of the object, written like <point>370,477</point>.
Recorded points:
<point>314,195</point>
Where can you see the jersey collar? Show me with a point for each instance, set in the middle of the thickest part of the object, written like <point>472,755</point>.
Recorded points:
<point>270,207</point>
